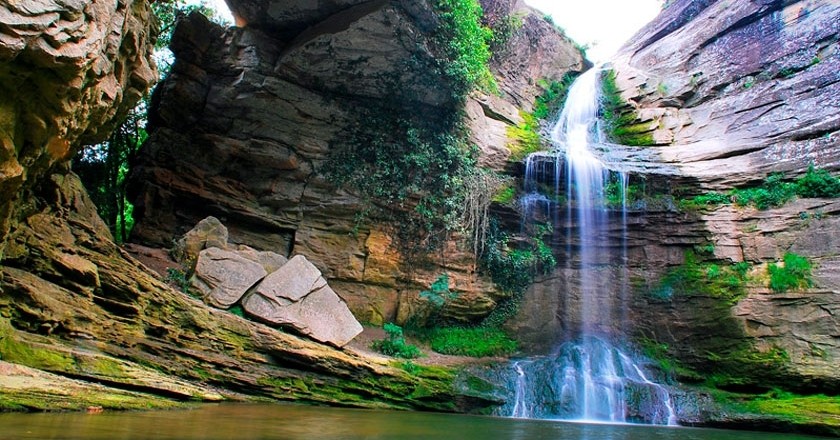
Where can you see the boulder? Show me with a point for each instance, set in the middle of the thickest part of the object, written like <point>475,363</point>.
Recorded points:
<point>297,296</point>
<point>270,261</point>
<point>223,277</point>
<point>208,233</point>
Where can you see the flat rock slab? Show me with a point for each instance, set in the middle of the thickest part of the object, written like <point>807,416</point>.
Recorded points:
<point>223,277</point>
<point>297,296</point>
<point>293,281</point>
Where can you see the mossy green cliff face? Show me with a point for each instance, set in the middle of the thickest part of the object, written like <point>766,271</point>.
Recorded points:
<point>76,305</point>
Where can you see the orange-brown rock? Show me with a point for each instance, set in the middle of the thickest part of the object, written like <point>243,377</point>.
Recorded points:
<point>244,126</point>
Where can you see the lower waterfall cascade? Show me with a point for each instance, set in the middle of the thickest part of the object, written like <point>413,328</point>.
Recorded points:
<point>586,377</point>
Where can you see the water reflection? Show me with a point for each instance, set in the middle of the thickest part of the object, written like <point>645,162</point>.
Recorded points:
<point>288,422</point>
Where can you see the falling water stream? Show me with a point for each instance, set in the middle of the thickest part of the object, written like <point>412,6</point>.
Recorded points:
<point>587,377</point>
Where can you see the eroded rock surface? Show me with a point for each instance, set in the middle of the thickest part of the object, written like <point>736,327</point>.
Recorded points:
<point>242,130</point>
<point>68,70</point>
<point>738,89</point>
<point>223,277</point>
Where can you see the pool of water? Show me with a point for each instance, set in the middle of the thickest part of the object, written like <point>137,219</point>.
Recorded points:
<point>265,421</point>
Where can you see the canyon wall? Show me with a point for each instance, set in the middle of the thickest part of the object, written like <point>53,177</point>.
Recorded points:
<point>728,92</point>
<point>244,126</point>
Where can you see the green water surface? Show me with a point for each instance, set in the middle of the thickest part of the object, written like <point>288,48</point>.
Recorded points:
<point>244,422</point>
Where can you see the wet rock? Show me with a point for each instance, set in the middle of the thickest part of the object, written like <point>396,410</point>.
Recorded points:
<point>297,296</point>
<point>223,277</point>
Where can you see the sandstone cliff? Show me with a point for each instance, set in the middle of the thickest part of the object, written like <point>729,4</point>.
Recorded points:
<point>245,124</point>
<point>69,71</point>
<point>738,89</point>
<point>75,304</point>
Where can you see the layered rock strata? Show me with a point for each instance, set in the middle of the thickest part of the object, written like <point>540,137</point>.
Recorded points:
<point>262,105</point>
<point>738,90</point>
<point>75,304</point>
<point>68,71</point>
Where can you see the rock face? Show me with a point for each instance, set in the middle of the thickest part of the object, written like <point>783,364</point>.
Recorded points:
<point>738,90</point>
<point>67,71</point>
<point>74,303</point>
<point>79,306</point>
<point>729,91</point>
<point>243,126</point>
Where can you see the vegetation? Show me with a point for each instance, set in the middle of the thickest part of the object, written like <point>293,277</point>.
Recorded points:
<point>524,138</point>
<point>178,279</point>
<point>795,273</point>
<point>482,187</point>
<point>774,192</point>
<point>618,118</point>
<point>817,408</point>
<point>512,268</point>
<point>465,46</point>
<point>410,168</point>
<point>470,341</point>
<point>504,28</point>
<point>551,101</point>
<point>395,344</point>
<point>693,277</point>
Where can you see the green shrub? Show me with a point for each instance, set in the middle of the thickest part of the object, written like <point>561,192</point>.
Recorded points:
<point>178,279</point>
<point>712,199</point>
<point>237,310</point>
<point>551,100</point>
<point>774,192</point>
<point>473,341</point>
<point>512,270</point>
<point>464,43</point>
<point>795,274</point>
<point>817,183</point>
<point>395,345</point>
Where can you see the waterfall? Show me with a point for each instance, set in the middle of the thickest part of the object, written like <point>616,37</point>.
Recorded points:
<point>587,377</point>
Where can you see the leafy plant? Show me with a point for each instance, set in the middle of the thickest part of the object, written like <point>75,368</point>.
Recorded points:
<point>464,43</point>
<point>553,96</point>
<point>178,278</point>
<point>694,277</point>
<point>817,183</point>
<point>395,344</point>
<point>437,296</point>
<point>794,274</point>
<point>773,193</point>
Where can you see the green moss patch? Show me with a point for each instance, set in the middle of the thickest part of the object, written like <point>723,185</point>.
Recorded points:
<point>474,341</point>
